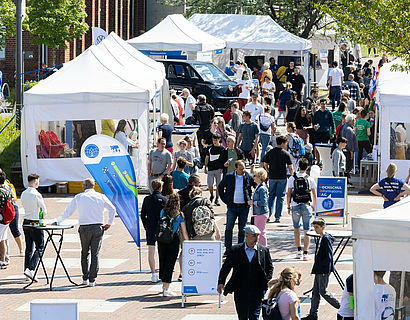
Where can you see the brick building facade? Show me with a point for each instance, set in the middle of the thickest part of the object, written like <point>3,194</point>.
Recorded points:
<point>125,17</point>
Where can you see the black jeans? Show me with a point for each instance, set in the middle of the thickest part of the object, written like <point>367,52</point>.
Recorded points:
<point>91,239</point>
<point>248,305</point>
<point>349,163</point>
<point>366,146</point>
<point>168,253</point>
<point>320,289</point>
<point>32,236</point>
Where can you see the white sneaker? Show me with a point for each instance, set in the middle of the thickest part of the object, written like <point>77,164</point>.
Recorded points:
<point>85,283</point>
<point>168,293</point>
<point>154,278</point>
<point>299,255</point>
<point>30,274</point>
<point>306,257</point>
<point>91,284</point>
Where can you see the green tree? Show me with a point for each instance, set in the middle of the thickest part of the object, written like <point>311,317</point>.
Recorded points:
<point>384,24</point>
<point>300,17</point>
<point>7,21</point>
<point>56,22</point>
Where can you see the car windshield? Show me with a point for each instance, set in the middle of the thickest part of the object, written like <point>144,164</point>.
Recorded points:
<point>209,72</point>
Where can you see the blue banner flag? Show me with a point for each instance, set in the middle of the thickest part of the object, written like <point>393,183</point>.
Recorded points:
<point>111,166</point>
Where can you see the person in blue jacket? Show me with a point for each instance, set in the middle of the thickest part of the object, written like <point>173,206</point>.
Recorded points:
<point>260,208</point>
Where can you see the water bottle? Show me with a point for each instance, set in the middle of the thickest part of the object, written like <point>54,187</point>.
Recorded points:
<point>40,218</point>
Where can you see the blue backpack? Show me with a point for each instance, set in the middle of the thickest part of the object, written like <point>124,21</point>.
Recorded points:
<point>296,147</point>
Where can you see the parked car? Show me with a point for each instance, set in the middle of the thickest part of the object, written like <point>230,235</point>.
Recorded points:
<point>201,78</point>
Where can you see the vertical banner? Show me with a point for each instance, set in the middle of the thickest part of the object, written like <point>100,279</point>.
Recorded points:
<point>111,166</point>
<point>331,197</point>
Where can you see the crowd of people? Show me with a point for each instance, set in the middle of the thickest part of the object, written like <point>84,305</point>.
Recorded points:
<point>246,135</point>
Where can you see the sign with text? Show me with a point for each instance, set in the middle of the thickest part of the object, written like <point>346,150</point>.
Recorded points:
<point>331,197</point>
<point>201,262</point>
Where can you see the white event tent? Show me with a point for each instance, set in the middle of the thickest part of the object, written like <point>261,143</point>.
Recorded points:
<point>252,35</point>
<point>381,242</point>
<point>393,98</point>
<point>95,85</point>
<point>176,33</point>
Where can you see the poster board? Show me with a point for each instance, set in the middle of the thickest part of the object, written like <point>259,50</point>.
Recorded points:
<point>201,262</point>
<point>331,197</point>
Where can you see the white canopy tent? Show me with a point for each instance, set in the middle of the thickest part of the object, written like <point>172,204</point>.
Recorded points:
<point>94,86</point>
<point>382,242</point>
<point>249,32</point>
<point>176,33</point>
<point>393,97</point>
<point>252,35</point>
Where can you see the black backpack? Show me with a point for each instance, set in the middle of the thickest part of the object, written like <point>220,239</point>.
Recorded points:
<point>270,309</point>
<point>301,189</point>
<point>165,231</point>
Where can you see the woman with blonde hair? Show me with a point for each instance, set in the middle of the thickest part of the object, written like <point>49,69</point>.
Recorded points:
<point>390,187</point>
<point>285,295</point>
<point>165,131</point>
<point>260,207</point>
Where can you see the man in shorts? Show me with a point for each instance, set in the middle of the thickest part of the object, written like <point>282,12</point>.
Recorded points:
<point>248,137</point>
<point>214,164</point>
<point>301,199</point>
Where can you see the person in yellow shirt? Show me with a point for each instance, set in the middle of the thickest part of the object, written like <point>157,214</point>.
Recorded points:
<point>108,127</point>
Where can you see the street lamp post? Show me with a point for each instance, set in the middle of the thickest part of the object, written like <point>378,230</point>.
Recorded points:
<point>19,60</point>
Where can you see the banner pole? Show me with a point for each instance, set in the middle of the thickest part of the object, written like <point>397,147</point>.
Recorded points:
<point>139,251</point>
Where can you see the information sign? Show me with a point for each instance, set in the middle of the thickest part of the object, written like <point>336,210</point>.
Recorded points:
<point>331,197</point>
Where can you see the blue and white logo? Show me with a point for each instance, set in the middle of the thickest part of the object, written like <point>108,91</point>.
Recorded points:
<point>115,148</point>
<point>91,151</point>
<point>328,204</point>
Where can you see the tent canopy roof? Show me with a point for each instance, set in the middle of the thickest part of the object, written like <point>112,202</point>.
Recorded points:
<point>249,32</point>
<point>108,72</point>
<point>390,224</point>
<point>394,86</point>
<point>176,33</point>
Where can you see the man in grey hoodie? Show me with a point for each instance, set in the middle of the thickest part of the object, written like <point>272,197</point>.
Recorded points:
<point>352,144</point>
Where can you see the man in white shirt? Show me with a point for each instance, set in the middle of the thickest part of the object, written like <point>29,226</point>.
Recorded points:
<point>190,104</point>
<point>301,199</point>
<point>335,84</point>
<point>90,205</point>
<point>254,107</point>
<point>32,203</point>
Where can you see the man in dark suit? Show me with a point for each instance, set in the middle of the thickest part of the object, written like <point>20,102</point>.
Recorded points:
<point>252,270</point>
<point>235,191</point>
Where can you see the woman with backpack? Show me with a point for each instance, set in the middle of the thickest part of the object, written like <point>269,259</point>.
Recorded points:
<point>171,223</point>
<point>199,217</point>
<point>266,125</point>
<point>296,146</point>
<point>283,292</point>
<point>260,207</point>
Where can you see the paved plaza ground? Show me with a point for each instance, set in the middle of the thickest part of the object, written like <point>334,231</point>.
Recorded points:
<point>123,294</point>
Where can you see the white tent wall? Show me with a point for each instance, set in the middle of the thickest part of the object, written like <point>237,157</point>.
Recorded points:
<point>382,243</point>
<point>393,97</point>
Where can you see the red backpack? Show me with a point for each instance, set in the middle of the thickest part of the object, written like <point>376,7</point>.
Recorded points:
<point>7,213</point>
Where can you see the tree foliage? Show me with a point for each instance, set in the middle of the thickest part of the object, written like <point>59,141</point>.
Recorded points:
<point>55,22</point>
<point>384,24</point>
<point>300,17</point>
<point>7,20</point>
